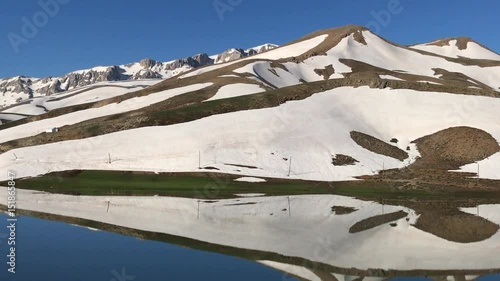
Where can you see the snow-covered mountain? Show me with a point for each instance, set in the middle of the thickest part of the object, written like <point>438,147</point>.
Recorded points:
<point>20,88</point>
<point>342,103</point>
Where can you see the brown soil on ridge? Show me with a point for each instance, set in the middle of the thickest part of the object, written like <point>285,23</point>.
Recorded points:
<point>377,146</point>
<point>343,160</point>
<point>327,72</point>
<point>455,147</point>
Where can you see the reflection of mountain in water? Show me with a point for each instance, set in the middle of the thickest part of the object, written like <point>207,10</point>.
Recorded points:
<point>375,239</point>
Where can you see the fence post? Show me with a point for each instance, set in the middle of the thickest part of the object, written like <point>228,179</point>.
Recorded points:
<point>289,208</point>
<point>198,216</point>
<point>290,167</point>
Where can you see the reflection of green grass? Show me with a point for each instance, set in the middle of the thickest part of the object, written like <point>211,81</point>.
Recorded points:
<point>212,185</point>
<point>179,185</point>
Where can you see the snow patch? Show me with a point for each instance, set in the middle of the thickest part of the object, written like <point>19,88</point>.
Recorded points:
<point>250,194</point>
<point>236,90</point>
<point>250,179</point>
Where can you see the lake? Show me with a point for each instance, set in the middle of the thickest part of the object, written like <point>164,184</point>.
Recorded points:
<point>49,250</point>
<point>54,251</point>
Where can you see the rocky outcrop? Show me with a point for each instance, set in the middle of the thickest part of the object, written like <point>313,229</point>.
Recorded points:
<point>148,63</point>
<point>203,59</point>
<point>230,55</point>
<point>16,85</point>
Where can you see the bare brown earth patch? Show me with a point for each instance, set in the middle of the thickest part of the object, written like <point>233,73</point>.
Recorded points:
<point>456,226</point>
<point>343,160</point>
<point>449,82</point>
<point>341,210</point>
<point>377,146</point>
<point>455,147</point>
<point>327,72</point>
<point>461,42</point>
<point>335,35</point>
<point>375,221</point>
<point>459,79</point>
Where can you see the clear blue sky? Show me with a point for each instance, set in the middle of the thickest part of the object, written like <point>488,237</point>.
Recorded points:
<point>86,33</point>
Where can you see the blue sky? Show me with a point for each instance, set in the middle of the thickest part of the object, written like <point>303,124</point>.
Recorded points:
<point>86,33</point>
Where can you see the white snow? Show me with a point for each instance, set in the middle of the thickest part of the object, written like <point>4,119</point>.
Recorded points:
<point>267,46</point>
<point>390,77</point>
<point>34,128</point>
<point>311,131</point>
<point>309,231</point>
<point>250,194</point>
<point>250,179</point>
<point>11,117</point>
<point>473,51</point>
<point>488,168</point>
<point>341,277</point>
<point>277,77</point>
<point>236,90</point>
<point>489,212</point>
<point>294,270</point>
<point>429,82</point>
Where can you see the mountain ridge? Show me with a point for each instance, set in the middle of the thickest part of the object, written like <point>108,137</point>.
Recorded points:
<point>18,88</point>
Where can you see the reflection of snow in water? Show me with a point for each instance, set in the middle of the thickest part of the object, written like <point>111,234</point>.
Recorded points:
<point>307,229</point>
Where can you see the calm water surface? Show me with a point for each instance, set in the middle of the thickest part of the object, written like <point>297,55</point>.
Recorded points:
<point>53,251</point>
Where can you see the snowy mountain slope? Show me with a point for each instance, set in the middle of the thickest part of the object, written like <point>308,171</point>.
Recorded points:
<point>93,93</point>
<point>312,131</point>
<point>458,47</point>
<point>311,231</point>
<point>20,88</point>
<point>37,127</point>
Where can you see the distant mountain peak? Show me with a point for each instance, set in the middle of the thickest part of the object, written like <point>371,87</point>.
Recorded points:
<point>458,47</point>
